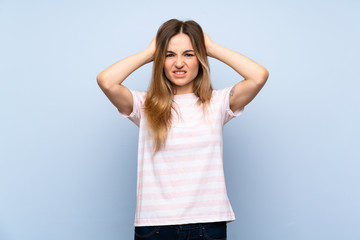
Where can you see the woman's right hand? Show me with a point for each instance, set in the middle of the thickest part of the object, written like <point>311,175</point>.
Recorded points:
<point>110,80</point>
<point>152,48</point>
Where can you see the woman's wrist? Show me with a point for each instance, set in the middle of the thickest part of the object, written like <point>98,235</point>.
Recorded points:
<point>149,55</point>
<point>212,49</point>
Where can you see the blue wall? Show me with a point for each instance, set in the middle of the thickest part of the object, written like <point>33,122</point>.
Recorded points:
<point>68,159</point>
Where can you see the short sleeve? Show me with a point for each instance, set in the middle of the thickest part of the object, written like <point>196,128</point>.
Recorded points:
<point>138,100</point>
<point>228,113</point>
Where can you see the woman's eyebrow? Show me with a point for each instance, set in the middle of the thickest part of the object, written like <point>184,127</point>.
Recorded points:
<point>186,51</point>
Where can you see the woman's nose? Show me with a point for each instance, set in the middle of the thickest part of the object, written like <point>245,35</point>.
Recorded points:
<point>179,62</point>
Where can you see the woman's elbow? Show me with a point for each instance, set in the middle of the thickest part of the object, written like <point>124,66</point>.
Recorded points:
<point>263,77</point>
<point>265,74</point>
<point>100,79</point>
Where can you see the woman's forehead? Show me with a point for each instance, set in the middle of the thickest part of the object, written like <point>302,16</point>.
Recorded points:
<point>180,42</point>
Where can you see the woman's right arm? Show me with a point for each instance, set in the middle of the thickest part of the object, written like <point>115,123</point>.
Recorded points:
<point>111,78</point>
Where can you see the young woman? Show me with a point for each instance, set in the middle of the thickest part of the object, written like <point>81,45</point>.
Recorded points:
<point>181,192</point>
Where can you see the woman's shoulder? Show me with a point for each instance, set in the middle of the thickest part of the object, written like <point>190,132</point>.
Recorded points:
<point>138,95</point>
<point>216,93</point>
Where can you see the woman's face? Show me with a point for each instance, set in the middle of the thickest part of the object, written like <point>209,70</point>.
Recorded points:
<point>181,65</point>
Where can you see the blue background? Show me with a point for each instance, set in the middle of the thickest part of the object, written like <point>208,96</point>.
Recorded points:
<point>68,159</point>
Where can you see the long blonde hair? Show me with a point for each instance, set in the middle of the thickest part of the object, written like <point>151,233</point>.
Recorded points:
<point>160,95</point>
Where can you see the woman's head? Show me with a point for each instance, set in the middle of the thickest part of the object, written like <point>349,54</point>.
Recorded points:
<point>166,39</point>
<point>180,66</point>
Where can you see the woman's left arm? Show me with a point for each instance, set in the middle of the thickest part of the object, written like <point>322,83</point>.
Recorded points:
<point>255,75</point>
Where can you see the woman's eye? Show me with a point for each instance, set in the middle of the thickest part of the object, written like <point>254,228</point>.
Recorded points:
<point>169,55</point>
<point>189,55</point>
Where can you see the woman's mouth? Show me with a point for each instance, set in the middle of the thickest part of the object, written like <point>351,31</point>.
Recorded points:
<point>179,73</point>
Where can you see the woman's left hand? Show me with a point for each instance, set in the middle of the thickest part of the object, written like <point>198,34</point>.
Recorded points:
<point>208,44</point>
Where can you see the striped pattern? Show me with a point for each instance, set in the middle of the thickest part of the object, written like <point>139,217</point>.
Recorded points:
<point>184,182</point>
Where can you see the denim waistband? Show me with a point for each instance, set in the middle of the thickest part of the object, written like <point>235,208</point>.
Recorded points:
<point>193,225</point>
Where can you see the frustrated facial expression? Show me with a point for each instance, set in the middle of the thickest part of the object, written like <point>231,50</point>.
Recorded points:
<point>181,65</point>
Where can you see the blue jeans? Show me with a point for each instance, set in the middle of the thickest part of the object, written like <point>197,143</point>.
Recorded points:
<point>208,231</point>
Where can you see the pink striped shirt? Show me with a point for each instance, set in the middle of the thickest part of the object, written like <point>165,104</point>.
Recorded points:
<point>184,182</point>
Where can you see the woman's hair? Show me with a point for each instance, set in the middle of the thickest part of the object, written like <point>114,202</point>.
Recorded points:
<point>159,99</point>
